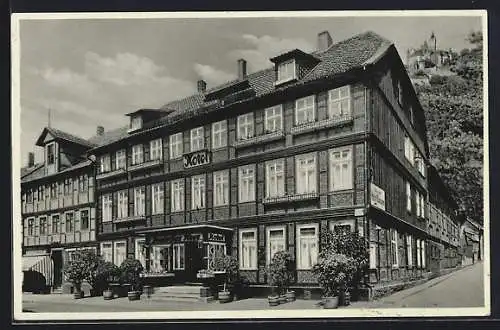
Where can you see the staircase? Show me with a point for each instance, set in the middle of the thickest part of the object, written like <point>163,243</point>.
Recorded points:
<point>57,290</point>
<point>180,293</point>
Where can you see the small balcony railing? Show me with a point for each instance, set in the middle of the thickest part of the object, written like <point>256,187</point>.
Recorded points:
<point>273,136</point>
<point>290,198</point>
<point>106,175</point>
<point>132,218</point>
<point>322,124</point>
<point>148,164</point>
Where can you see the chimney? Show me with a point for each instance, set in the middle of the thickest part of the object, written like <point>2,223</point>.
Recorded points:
<point>242,69</point>
<point>31,159</point>
<point>100,130</point>
<point>202,86</point>
<point>324,41</point>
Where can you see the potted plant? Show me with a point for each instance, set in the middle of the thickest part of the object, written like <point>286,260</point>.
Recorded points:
<point>279,276</point>
<point>333,271</point>
<point>107,272</point>
<point>92,262</point>
<point>131,270</point>
<point>76,271</point>
<point>228,265</point>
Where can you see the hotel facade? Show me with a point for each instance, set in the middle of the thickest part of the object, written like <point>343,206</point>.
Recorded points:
<point>329,140</point>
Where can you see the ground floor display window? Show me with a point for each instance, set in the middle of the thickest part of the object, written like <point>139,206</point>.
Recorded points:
<point>140,252</point>
<point>178,256</point>
<point>275,241</point>
<point>213,250</point>
<point>248,249</point>
<point>161,258</point>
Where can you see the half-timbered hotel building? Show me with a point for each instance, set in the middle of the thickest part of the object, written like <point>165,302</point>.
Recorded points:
<point>329,140</point>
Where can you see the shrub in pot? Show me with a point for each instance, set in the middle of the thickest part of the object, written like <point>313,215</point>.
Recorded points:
<point>279,275</point>
<point>107,273</point>
<point>131,270</point>
<point>93,261</point>
<point>228,265</point>
<point>333,271</point>
<point>81,268</point>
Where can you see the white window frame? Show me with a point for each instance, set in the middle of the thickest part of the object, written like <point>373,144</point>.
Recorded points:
<point>52,223</point>
<point>137,154</point>
<point>178,193</point>
<point>252,262</point>
<point>30,229</point>
<point>309,186</point>
<point>373,255</point>
<point>301,264</point>
<point>417,202</point>
<point>339,99</point>
<point>394,247</point>
<point>157,198</point>
<point>408,196</point>
<point>219,134</point>
<point>310,111</point>
<point>139,201</point>
<point>409,150</point>
<point>105,163</point>
<point>422,251</point>
<point>45,228</point>
<point>275,178</point>
<point>47,148</point>
<point>422,205</point>
<point>221,188</point>
<point>273,119</point>
<point>72,222</point>
<point>419,253</point>
<point>121,159</point>
<point>198,192</point>
<point>115,252</point>
<point>269,241</point>
<point>246,183</point>
<point>139,255</point>
<point>343,179</point>
<point>135,123</point>
<point>176,145</point>
<point>283,71</point>
<point>110,248</point>
<point>156,149</point>
<point>107,207</point>
<point>178,257</point>
<point>409,250</point>
<point>245,126</point>
<point>197,138</point>
<point>88,219</point>
<point>122,207</point>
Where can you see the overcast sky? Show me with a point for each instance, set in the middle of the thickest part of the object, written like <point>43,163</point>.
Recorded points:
<point>92,72</point>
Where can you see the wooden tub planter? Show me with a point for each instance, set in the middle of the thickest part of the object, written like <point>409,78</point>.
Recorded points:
<point>330,302</point>
<point>78,294</point>
<point>108,294</point>
<point>283,299</point>
<point>273,300</point>
<point>225,297</point>
<point>290,296</point>
<point>134,295</point>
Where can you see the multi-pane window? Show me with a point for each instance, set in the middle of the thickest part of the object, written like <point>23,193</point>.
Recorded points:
<point>69,222</point>
<point>305,110</point>
<point>197,138</point>
<point>339,102</point>
<point>221,188</point>
<point>245,127</point>
<point>178,256</point>
<point>419,252</point>
<point>198,191</point>
<point>341,176</point>
<point>135,122</point>
<point>286,71</point>
<point>84,220</point>
<point>155,149</point>
<point>157,198</point>
<point>105,163</point>
<point>107,202</point>
<point>41,193</point>
<point>51,154</point>
<point>306,173</point>
<point>107,251</point>
<point>161,258</point>
<point>307,246</point>
<point>246,184</point>
<point>248,249</point>
<point>53,190</point>
<point>140,251</point>
<point>139,201</point>
<point>422,206</point>
<point>120,252</point>
<point>121,159</point>
<point>275,178</point>
<point>31,227</point>
<point>400,93</point>
<point>122,209</point>
<point>373,255</point>
<point>43,225</point>
<point>177,195</point>
<point>417,202</point>
<point>394,248</point>
<point>409,250</point>
<point>219,134</point>
<point>409,150</point>
<point>55,223</point>
<point>176,148</point>
<point>420,163</point>
<point>137,154</point>
<point>83,183</point>
<point>273,119</point>
<point>67,186</point>
<point>29,196</point>
<point>275,242</point>
<point>408,196</point>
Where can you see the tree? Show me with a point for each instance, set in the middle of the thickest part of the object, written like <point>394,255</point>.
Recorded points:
<point>454,114</point>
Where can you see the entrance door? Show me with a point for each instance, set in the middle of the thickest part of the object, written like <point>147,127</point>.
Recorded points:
<point>194,260</point>
<point>57,259</point>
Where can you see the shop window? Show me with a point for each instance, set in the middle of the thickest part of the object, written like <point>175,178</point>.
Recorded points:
<point>178,256</point>
<point>248,249</point>
<point>161,259</point>
<point>140,251</point>
<point>214,249</point>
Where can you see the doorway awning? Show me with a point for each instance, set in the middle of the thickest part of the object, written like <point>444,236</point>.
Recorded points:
<point>184,228</point>
<point>41,264</point>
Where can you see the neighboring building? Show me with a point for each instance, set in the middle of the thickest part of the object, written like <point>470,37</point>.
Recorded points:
<point>472,238</point>
<point>58,209</point>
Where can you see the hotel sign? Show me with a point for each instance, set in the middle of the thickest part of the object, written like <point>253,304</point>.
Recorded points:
<point>216,237</point>
<point>197,158</point>
<point>377,197</point>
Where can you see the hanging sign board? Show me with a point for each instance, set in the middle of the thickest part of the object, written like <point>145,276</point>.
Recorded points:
<point>377,197</point>
<point>197,158</point>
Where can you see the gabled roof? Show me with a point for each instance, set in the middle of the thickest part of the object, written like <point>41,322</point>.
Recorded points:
<point>294,53</point>
<point>109,136</point>
<point>58,134</point>
<point>39,172</point>
<point>155,111</point>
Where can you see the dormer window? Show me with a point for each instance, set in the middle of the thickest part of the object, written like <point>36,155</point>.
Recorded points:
<point>286,71</point>
<point>51,154</point>
<point>135,123</point>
